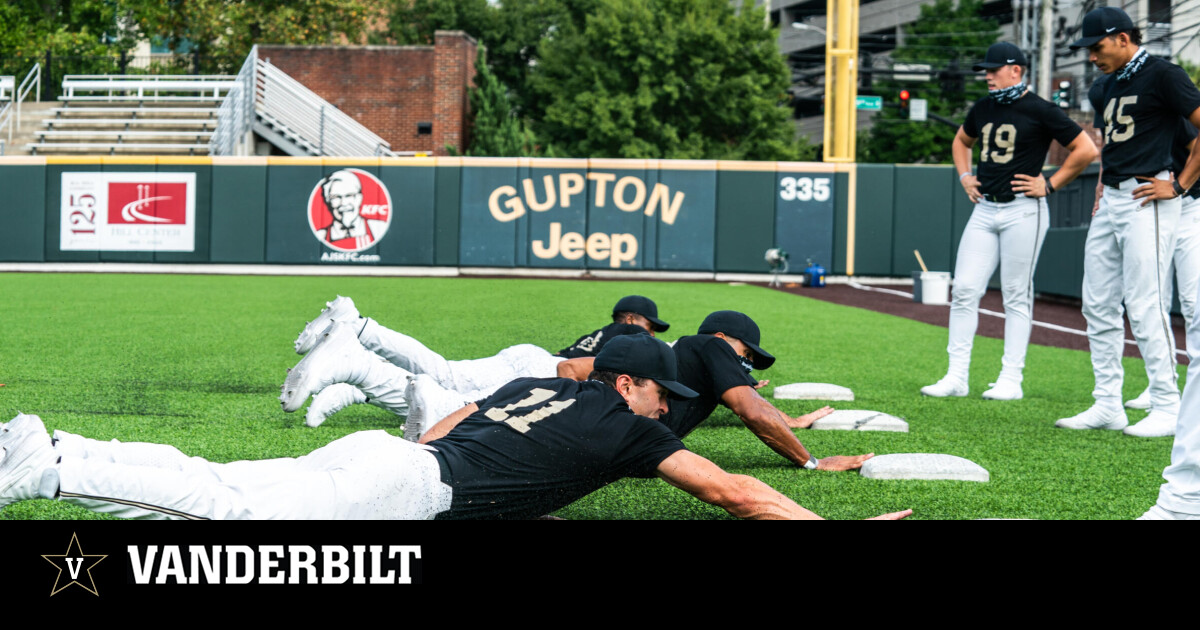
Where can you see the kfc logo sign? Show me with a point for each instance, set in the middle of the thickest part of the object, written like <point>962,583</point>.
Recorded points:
<point>349,211</point>
<point>147,203</point>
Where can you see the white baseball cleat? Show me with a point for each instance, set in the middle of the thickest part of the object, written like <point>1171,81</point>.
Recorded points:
<point>332,360</point>
<point>1141,402</point>
<point>1004,389</point>
<point>948,386</point>
<point>1096,417</point>
<point>1157,424</point>
<point>25,453</point>
<point>428,403</point>
<point>341,309</point>
<point>331,400</point>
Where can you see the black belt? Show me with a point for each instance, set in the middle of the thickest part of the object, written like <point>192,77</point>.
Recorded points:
<point>1000,198</point>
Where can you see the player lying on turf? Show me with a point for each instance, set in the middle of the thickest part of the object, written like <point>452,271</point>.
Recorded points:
<point>716,363</point>
<point>632,313</point>
<point>532,448</point>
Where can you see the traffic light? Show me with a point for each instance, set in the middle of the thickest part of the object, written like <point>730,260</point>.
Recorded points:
<point>905,97</point>
<point>1062,97</point>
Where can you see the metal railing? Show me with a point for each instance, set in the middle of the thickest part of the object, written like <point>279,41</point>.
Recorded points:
<point>32,78</point>
<point>266,93</point>
<point>146,87</point>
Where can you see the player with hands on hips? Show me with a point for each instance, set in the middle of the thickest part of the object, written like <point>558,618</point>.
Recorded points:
<point>1132,235</point>
<point>1008,224</point>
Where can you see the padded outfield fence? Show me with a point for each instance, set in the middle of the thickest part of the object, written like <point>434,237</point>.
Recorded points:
<point>664,215</point>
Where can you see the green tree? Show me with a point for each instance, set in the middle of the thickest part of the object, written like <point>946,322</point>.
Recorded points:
<point>945,36</point>
<point>221,32</point>
<point>497,131</point>
<point>85,31</point>
<point>665,79</point>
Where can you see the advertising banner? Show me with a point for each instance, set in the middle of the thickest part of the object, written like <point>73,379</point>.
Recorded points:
<point>103,211</point>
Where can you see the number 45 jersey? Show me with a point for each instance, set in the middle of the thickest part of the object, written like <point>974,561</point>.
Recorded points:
<point>1014,139</point>
<point>1139,117</point>
<point>539,444</point>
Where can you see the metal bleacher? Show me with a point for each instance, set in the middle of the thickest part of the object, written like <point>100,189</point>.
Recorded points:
<point>133,114</point>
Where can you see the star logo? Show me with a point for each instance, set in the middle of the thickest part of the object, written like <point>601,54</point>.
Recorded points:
<point>76,565</point>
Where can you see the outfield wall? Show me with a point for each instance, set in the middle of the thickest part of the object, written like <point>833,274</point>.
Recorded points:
<point>666,215</point>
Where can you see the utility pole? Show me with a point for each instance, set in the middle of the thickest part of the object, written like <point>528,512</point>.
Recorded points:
<point>1046,50</point>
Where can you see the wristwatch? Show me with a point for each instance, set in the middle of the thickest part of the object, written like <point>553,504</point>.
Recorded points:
<point>812,463</point>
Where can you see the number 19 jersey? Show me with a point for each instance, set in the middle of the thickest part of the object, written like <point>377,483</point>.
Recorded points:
<point>1014,139</point>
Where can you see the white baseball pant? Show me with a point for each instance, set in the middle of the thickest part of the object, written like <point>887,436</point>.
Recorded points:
<point>488,373</point>
<point>1011,235</point>
<point>1181,492</point>
<point>365,475</point>
<point>1127,257</point>
<point>1186,261</point>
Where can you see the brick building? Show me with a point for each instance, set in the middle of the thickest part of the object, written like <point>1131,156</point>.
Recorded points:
<point>415,97</point>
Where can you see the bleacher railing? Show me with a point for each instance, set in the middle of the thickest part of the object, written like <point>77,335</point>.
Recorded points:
<point>32,79</point>
<point>265,92</point>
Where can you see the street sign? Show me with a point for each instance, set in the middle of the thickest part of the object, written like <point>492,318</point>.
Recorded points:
<point>868,103</point>
<point>918,109</point>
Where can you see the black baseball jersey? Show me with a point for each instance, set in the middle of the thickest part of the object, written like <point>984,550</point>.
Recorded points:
<point>589,345</point>
<point>539,444</point>
<point>1014,138</point>
<point>1184,134</point>
<point>1139,118</point>
<point>708,365</point>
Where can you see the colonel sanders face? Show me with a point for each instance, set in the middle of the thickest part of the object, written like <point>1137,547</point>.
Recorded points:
<point>343,196</point>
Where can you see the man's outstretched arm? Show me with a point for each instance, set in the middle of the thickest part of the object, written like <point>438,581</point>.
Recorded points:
<point>444,425</point>
<point>772,427</point>
<point>740,495</point>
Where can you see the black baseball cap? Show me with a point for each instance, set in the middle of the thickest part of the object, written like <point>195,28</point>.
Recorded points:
<point>643,306</point>
<point>645,357</point>
<point>1100,23</point>
<point>999,55</point>
<point>741,327</point>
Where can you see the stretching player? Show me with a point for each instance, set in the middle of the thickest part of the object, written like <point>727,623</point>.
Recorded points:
<point>532,448</point>
<point>717,363</point>
<point>1185,262</point>
<point>632,313</point>
<point>1010,218</point>
<point>1132,235</point>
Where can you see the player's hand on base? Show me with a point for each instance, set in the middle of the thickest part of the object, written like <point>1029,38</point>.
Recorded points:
<point>1154,189</point>
<point>805,421</point>
<point>761,384</point>
<point>971,184</point>
<point>893,516</point>
<point>1030,186</point>
<point>838,463</point>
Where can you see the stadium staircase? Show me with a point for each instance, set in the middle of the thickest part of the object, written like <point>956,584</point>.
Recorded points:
<point>272,105</point>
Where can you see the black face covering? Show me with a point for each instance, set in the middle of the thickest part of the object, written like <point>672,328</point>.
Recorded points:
<point>746,364</point>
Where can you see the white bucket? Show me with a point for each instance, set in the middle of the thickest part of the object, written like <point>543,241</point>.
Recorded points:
<point>931,287</point>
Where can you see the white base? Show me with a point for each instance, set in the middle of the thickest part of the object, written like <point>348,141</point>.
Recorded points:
<point>812,391</point>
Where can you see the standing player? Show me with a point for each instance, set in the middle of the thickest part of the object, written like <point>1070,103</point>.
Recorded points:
<point>632,314</point>
<point>1179,497</point>
<point>1185,262</point>
<point>532,448</point>
<point>1010,218</point>
<point>1132,235</point>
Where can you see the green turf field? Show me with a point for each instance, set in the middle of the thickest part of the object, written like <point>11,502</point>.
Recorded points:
<point>197,361</point>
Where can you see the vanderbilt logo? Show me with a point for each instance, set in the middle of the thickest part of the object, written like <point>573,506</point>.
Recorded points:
<point>74,567</point>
